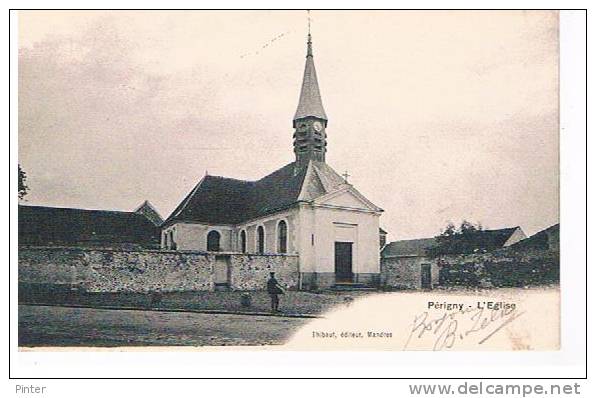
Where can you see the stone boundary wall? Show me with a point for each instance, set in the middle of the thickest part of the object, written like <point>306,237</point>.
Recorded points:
<point>508,267</point>
<point>251,271</point>
<point>405,272</point>
<point>113,270</point>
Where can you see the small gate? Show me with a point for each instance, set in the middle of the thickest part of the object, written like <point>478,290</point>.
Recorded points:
<point>221,272</point>
<point>425,276</point>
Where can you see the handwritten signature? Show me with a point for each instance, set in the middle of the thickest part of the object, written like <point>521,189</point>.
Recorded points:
<point>451,327</point>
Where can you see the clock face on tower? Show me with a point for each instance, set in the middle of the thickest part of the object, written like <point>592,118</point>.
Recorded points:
<point>318,126</point>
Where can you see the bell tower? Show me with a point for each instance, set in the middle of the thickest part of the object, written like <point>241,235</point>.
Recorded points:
<point>310,120</point>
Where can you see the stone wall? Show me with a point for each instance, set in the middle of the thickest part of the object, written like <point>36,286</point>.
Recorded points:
<point>405,272</point>
<point>507,267</point>
<point>250,271</point>
<point>106,270</point>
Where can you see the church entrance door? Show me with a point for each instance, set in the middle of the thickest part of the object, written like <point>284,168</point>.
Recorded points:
<point>343,262</point>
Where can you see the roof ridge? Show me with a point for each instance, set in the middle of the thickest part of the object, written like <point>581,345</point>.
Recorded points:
<point>230,179</point>
<point>317,173</point>
<point>411,240</point>
<point>498,229</point>
<point>309,171</point>
<point>78,209</point>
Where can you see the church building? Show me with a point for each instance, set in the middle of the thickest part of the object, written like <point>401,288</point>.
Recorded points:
<point>304,209</point>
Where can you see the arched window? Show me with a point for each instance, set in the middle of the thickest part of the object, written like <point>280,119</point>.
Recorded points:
<point>213,241</point>
<point>260,240</point>
<point>282,237</point>
<point>243,241</point>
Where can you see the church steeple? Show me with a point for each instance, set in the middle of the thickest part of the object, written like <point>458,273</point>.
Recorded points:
<point>310,119</point>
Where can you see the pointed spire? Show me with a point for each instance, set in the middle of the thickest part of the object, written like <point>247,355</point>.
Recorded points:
<point>310,103</point>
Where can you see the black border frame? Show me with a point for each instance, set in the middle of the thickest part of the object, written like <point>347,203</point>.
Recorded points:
<point>297,378</point>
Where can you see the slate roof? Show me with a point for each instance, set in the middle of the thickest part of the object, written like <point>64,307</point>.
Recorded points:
<point>41,225</point>
<point>310,103</point>
<point>219,200</point>
<point>486,239</point>
<point>276,191</point>
<point>214,200</point>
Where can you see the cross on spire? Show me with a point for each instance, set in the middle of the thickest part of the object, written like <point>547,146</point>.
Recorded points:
<point>309,40</point>
<point>310,103</point>
<point>345,175</point>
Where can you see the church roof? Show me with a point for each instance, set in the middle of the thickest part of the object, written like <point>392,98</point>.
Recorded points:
<point>215,200</point>
<point>278,190</point>
<point>310,103</point>
<point>219,200</point>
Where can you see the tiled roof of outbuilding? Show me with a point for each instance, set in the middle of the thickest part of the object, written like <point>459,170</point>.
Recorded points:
<point>494,238</point>
<point>486,240</point>
<point>41,225</point>
<point>411,247</point>
<point>542,240</point>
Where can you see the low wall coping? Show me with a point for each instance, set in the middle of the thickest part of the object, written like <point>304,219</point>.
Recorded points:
<point>108,249</point>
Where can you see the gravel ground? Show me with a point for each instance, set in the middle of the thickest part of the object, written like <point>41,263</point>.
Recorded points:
<point>293,302</point>
<point>41,326</point>
<point>61,326</point>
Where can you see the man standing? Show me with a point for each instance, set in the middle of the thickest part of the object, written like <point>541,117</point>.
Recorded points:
<point>274,289</point>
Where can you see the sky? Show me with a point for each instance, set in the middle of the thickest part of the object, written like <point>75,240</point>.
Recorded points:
<point>437,116</point>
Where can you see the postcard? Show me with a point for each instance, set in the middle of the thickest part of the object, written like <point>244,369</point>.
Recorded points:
<point>288,180</point>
